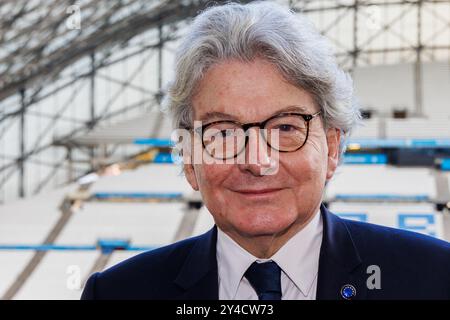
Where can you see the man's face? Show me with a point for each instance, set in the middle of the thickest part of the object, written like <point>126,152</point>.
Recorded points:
<point>234,193</point>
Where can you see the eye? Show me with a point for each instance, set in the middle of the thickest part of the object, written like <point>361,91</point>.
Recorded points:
<point>227,133</point>
<point>286,127</point>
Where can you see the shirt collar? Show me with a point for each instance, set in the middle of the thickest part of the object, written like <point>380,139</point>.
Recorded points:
<point>298,258</point>
<point>232,261</point>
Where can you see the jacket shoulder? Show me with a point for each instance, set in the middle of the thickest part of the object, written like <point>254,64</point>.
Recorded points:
<point>414,263</point>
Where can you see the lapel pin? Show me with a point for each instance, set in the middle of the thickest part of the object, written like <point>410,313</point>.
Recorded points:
<point>348,292</point>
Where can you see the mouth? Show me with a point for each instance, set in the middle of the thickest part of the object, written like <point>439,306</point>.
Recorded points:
<point>258,192</point>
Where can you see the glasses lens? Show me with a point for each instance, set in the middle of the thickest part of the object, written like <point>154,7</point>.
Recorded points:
<point>224,140</point>
<point>286,133</point>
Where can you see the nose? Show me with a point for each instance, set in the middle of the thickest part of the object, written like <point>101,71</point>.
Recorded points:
<point>257,156</point>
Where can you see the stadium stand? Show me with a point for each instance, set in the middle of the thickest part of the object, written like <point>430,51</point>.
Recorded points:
<point>141,223</point>
<point>382,180</point>
<point>415,217</point>
<point>55,273</point>
<point>12,262</point>
<point>30,221</point>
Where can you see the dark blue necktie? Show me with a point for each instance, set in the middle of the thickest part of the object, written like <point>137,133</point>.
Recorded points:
<point>265,278</point>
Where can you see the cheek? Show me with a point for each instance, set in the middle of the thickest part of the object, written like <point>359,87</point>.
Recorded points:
<point>214,195</point>
<point>307,168</point>
<point>210,177</point>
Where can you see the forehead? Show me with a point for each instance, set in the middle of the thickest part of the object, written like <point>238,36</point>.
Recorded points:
<point>246,91</point>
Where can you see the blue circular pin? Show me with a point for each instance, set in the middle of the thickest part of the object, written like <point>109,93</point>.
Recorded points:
<point>348,292</point>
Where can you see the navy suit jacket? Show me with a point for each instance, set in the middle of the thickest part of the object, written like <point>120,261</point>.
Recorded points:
<point>412,266</point>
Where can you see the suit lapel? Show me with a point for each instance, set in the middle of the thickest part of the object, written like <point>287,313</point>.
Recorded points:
<point>339,262</point>
<point>198,277</point>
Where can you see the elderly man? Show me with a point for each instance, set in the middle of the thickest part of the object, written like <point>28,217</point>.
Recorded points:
<point>260,94</point>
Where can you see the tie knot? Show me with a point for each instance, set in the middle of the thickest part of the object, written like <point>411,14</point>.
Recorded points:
<point>265,278</point>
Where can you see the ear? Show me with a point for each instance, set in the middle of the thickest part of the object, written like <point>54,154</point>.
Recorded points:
<point>190,175</point>
<point>333,141</point>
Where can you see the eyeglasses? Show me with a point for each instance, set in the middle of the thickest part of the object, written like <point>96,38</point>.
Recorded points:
<point>226,139</point>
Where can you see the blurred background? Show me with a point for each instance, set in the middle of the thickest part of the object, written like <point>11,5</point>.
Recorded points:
<point>86,177</point>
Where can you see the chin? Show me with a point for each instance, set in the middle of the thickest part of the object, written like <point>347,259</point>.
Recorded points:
<point>264,224</point>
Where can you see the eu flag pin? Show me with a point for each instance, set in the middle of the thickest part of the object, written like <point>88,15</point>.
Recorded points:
<point>348,292</point>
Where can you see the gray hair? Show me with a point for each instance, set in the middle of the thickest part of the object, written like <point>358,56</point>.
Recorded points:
<point>265,30</point>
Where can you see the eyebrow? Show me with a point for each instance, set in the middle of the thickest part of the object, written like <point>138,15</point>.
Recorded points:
<point>291,109</point>
<point>217,115</point>
<point>223,115</point>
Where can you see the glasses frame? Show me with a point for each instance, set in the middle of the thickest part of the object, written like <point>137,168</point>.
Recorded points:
<point>261,125</point>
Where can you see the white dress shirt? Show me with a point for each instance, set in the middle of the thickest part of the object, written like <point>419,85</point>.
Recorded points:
<point>298,260</point>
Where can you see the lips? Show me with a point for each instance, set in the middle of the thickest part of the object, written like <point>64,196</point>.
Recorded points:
<point>258,191</point>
